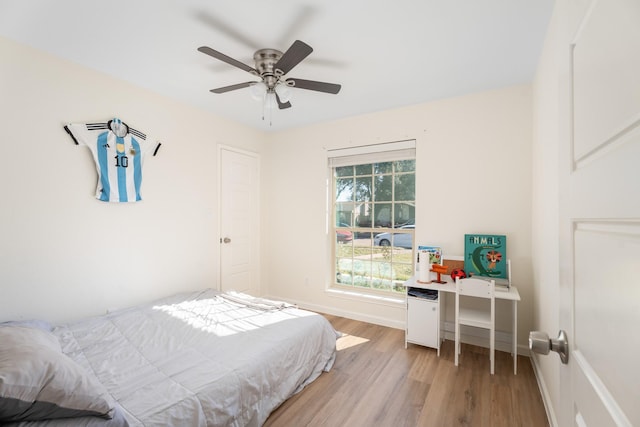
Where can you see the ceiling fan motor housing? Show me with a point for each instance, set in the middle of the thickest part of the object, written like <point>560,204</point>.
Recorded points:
<point>265,60</point>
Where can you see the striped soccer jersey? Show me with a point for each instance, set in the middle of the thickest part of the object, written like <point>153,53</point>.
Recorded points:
<point>118,151</point>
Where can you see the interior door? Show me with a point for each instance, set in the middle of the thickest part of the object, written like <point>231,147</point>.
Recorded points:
<point>600,215</point>
<point>239,221</point>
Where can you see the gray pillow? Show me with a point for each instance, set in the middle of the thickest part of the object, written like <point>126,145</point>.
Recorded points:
<point>39,382</point>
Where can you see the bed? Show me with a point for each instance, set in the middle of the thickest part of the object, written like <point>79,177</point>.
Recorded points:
<point>198,359</point>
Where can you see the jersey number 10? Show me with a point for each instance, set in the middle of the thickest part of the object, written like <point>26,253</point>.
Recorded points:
<point>122,161</point>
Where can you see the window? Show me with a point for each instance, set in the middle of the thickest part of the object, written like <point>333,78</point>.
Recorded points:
<point>374,214</point>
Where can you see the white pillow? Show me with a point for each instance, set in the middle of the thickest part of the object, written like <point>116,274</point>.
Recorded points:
<point>39,382</point>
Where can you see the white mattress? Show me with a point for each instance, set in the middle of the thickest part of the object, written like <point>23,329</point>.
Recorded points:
<point>202,359</point>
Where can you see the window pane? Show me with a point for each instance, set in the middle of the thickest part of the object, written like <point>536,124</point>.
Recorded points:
<point>402,240</point>
<point>383,188</point>
<point>363,251</point>
<point>402,273</point>
<point>405,214</point>
<point>405,165</point>
<point>363,170</point>
<point>342,220</point>
<point>382,213</point>
<point>344,236</point>
<point>382,276</point>
<point>362,272</point>
<point>382,167</point>
<point>344,275</point>
<point>405,187</point>
<point>383,270</point>
<point>344,171</point>
<point>363,189</point>
<point>363,238</point>
<point>343,251</point>
<point>363,214</point>
<point>344,213</point>
<point>344,189</point>
<point>381,252</point>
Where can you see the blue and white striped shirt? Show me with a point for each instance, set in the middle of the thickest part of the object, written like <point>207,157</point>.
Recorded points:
<point>118,151</point>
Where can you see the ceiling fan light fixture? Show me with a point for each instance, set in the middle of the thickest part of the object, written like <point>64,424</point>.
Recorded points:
<point>270,101</point>
<point>284,92</point>
<point>258,91</point>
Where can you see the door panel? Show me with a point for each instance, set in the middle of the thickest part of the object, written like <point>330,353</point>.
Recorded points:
<point>600,216</point>
<point>607,299</point>
<point>605,64</point>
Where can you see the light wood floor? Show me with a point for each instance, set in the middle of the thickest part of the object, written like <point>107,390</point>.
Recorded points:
<point>375,381</point>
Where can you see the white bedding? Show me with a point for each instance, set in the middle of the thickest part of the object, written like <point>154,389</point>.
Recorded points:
<point>202,359</point>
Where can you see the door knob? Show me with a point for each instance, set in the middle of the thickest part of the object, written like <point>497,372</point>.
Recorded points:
<point>539,342</point>
<point>226,240</point>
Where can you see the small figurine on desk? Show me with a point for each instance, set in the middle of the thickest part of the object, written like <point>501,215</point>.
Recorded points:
<point>439,269</point>
<point>458,272</point>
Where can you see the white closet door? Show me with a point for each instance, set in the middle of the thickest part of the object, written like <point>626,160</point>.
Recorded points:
<point>239,221</point>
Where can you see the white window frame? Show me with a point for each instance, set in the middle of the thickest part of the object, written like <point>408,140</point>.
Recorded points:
<point>353,156</point>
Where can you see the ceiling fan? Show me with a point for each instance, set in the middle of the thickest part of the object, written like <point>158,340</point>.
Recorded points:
<point>271,66</point>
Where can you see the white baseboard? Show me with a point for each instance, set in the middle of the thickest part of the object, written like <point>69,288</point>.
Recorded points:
<point>544,392</point>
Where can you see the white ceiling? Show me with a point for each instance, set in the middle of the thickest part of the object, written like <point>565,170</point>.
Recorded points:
<point>385,53</point>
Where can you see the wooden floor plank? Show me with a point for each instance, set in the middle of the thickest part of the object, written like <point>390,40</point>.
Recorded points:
<point>375,381</point>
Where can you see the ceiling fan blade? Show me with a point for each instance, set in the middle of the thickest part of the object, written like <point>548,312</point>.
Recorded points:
<point>282,105</point>
<point>314,85</point>
<point>292,57</point>
<point>222,57</point>
<point>232,87</point>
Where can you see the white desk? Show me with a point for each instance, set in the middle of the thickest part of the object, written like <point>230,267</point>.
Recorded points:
<point>511,295</point>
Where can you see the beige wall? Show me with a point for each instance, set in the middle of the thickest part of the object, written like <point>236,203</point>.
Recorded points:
<point>473,176</point>
<point>64,254</point>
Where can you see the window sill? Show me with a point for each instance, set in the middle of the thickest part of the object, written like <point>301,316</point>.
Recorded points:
<point>388,300</point>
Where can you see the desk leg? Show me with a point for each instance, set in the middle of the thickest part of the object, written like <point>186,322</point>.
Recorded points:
<point>440,313</point>
<point>515,337</point>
